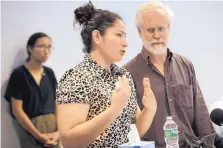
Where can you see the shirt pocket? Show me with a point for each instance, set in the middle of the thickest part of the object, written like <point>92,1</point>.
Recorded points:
<point>184,95</point>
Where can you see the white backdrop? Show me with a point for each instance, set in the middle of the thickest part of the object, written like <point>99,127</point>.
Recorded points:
<point>196,33</point>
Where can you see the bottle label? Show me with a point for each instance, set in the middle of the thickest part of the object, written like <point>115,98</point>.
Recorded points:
<point>170,133</point>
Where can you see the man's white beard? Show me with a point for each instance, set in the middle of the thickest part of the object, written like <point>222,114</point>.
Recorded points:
<point>156,49</point>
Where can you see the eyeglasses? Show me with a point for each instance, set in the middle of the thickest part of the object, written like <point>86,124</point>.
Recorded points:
<point>152,30</point>
<point>43,47</point>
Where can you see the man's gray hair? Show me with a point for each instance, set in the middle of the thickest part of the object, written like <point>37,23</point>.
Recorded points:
<point>154,5</point>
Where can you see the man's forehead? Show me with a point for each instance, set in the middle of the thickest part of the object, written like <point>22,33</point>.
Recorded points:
<point>154,12</point>
<point>156,16</point>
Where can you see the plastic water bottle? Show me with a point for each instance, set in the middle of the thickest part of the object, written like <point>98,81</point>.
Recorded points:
<point>171,133</point>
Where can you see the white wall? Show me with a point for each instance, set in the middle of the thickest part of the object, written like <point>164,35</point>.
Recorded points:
<point>197,33</point>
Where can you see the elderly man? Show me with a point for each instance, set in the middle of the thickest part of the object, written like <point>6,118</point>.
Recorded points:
<point>172,79</point>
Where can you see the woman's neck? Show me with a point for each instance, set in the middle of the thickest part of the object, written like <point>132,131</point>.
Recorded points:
<point>101,59</point>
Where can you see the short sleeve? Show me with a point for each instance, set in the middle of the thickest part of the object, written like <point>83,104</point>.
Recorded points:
<point>15,87</point>
<point>54,83</point>
<point>73,88</point>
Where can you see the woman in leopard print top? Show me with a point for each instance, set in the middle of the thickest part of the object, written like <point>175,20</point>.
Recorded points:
<point>92,111</point>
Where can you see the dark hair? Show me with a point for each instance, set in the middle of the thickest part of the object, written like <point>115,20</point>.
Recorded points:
<point>92,19</point>
<point>32,41</point>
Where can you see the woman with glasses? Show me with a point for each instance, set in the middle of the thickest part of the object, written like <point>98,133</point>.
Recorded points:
<point>31,93</point>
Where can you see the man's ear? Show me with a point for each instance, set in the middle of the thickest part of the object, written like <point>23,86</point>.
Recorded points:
<point>140,32</point>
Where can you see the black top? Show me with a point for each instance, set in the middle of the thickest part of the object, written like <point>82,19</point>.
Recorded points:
<point>37,99</point>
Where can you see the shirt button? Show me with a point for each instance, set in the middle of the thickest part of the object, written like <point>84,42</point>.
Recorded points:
<point>174,116</point>
<point>170,100</point>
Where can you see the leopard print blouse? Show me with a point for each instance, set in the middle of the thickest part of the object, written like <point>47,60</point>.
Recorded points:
<point>90,83</point>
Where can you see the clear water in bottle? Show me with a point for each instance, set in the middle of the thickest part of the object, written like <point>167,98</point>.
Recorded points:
<point>171,133</point>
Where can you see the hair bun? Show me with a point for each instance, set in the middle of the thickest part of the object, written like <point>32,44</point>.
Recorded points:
<point>84,13</point>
